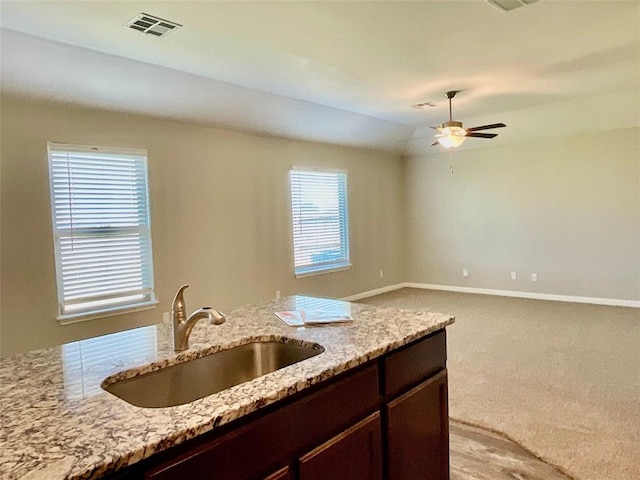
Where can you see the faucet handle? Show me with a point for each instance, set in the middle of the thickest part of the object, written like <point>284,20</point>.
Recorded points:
<point>178,304</point>
<point>216,317</point>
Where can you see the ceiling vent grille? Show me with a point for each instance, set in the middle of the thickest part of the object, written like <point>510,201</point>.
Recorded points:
<point>508,5</point>
<point>422,106</point>
<point>151,25</point>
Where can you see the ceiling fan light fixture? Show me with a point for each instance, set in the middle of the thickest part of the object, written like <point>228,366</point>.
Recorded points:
<point>451,140</point>
<point>452,134</point>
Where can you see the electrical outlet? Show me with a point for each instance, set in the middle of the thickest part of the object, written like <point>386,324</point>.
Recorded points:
<point>166,319</point>
<point>381,274</point>
<point>465,272</point>
<point>534,277</point>
<point>277,294</point>
<point>514,276</point>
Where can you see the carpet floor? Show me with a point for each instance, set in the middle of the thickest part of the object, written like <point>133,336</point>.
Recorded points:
<point>562,379</point>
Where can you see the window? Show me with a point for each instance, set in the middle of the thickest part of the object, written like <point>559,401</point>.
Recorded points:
<point>320,223</point>
<point>102,231</point>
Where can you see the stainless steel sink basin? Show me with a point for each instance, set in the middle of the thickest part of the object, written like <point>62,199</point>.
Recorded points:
<point>193,379</point>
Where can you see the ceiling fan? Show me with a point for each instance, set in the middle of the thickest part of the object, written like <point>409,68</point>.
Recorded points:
<point>452,134</point>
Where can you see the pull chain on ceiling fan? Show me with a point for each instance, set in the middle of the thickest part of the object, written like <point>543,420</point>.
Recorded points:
<point>453,135</point>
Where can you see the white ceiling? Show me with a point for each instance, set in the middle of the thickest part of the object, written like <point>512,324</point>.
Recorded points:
<point>337,71</point>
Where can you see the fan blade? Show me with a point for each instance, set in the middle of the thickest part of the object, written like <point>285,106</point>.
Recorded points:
<point>435,143</point>
<point>486,127</point>
<point>481,135</point>
<point>435,128</point>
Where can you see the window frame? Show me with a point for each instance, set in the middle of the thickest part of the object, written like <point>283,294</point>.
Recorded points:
<point>340,264</point>
<point>146,292</point>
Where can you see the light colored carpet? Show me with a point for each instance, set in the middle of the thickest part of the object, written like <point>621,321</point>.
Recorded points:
<point>563,379</point>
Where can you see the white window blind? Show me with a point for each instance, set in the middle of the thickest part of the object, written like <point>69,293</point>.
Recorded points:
<point>320,221</point>
<point>102,230</point>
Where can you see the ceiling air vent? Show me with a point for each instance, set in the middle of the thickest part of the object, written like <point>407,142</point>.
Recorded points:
<point>422,106</point>
<point>508,5</point>
<point>146,23</point>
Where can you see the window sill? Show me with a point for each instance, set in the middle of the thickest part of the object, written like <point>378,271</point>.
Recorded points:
<point>110,312</point>
<point>310,272</point>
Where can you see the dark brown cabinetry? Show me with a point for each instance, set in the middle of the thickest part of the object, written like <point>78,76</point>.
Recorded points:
<point>418,432</point>
<point>385,420</point>
<point>416,408</point>
<point>282,474</point>
<point>354,454</point>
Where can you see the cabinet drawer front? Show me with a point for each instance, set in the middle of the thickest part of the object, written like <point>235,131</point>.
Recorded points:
<point>355,454</point>
<point>265,442</point>
<point>415,362</point>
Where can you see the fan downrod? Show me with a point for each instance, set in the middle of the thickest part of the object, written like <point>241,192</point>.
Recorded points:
<point>450,94</point>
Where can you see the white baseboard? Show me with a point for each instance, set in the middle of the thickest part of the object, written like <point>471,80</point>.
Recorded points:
<point>615,302</point>
<point>513,293</point>
<point>371,293</point>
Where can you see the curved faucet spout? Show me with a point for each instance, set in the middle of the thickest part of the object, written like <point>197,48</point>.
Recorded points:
<point>182,326</point>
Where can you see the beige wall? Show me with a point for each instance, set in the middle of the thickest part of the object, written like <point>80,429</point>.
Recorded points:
<point>220,216</point>
<point>567,209</point>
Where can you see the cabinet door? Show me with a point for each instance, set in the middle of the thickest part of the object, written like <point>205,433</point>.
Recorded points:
<point>354,454</point>
<point>418,432</point>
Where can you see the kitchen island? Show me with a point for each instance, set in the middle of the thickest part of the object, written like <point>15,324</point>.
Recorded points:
<point>57,422</point>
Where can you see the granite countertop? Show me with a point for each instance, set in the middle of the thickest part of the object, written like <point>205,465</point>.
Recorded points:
<point>57,423</point>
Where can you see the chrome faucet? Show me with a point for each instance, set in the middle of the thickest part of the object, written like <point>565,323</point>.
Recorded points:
<point>182,325</point>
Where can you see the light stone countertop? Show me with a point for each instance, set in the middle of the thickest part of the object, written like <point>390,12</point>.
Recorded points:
<point>57,423</point>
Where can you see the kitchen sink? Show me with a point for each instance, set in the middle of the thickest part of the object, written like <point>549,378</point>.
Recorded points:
<point>197,378</point>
